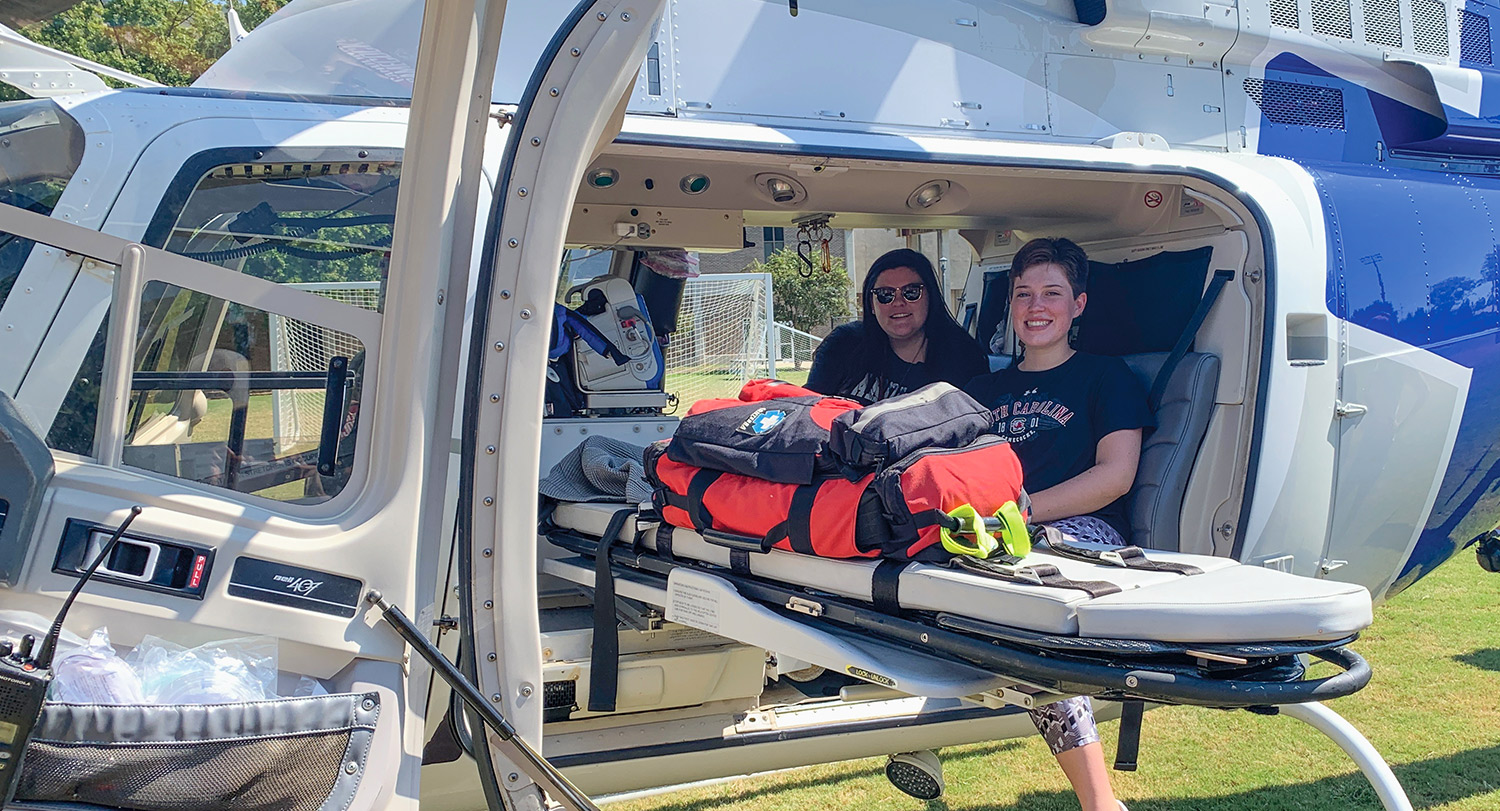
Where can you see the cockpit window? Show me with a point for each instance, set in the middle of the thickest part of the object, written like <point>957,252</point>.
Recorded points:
<point>220,396</point>
<point>40,148</point>
<point>240,396</point>
<point>308,223</point>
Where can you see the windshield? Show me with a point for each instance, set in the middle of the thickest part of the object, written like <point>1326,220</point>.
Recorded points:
<point>40,147</point>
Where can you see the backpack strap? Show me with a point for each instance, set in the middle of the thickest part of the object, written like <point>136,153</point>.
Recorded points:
<point>692,502</point>
<point>799,518</point>
<point>1185,342</point>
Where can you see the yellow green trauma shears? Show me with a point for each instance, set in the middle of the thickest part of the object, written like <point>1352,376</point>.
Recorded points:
<point>1007,522</point>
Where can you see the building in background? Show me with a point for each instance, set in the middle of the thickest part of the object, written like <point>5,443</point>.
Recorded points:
<point>760,243</point>
<point>951,255</point>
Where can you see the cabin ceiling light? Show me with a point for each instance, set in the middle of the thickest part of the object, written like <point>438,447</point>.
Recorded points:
<point>603,178</point>
<point>694,184</point>
<point>928,195</point>
<point>780,189</point>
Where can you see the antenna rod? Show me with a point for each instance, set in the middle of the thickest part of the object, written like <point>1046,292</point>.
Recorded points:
<point>49,644</point>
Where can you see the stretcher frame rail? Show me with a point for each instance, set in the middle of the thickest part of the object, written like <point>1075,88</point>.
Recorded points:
<point>1111,677</point>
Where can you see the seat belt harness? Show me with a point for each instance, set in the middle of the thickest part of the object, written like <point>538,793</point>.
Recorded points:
<point>1185,342</point>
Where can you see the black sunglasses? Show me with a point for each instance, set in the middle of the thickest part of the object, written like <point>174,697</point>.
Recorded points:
<point>910,292</point>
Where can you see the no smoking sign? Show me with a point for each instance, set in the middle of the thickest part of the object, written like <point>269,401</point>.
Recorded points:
<point>1153,198</point>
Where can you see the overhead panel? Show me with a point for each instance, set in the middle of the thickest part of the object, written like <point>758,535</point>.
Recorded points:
<point>866,63</point>
<point>1094,97</point>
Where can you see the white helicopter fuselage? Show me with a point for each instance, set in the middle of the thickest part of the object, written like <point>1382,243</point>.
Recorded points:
<point>1347,438</point>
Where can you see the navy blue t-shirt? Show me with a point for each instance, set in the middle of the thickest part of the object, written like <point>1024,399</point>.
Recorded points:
<point>1054,419</point>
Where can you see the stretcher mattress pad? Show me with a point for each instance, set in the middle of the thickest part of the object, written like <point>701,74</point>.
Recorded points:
<point>1227,603</point>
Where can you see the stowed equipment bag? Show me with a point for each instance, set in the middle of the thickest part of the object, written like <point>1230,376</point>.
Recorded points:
<point>774,430</point>
<point>929,504</point>
<point>934,416</point>
<point>934,501</point>
<point>827,517</point>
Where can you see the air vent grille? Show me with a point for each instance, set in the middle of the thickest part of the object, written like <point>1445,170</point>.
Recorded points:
<point>1284,14</point>
<point>1474,42</point>
<point>1301,105</point>
<point>1429,27</point>
<point>1331,18</point>
<point>556,694</point>
<point>1383,22</point>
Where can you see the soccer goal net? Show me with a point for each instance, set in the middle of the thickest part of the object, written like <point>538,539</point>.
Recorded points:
<point>723,338</point>
<point>298,346</point>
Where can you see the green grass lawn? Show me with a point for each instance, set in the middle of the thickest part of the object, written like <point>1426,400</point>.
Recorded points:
<point>1431,709</point>
<point>692,385</point>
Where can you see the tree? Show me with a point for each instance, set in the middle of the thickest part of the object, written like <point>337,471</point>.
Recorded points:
<point>166,41</point>
<point>1490,272</point>
<point>1449,293</point>
<point>805,302</point>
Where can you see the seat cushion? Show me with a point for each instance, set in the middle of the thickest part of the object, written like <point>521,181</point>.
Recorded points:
<point>1169,451</point>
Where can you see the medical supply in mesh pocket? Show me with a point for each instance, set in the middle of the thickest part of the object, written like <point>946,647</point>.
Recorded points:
<point>298,754</point>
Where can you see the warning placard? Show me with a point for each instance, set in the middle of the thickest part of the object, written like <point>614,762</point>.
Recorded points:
<point>693,605</point>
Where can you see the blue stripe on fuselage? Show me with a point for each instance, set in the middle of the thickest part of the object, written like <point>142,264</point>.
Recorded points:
<point>1413,254</point>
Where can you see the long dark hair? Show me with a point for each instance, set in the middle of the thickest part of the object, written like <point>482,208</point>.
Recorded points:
<point>946,340</point>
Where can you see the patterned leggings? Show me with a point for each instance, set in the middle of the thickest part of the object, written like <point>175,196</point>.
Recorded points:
<point>1069,724</point>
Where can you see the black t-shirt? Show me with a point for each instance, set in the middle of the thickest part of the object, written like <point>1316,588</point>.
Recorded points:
<point>1055,419</point>
<point>840,367</point>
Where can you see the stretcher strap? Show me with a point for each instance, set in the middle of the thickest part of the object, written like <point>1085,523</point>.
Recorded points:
<point>1127,557</point>
<point>885,585</point>
<point>1128,748</point>
<point>664,541</point>
<point>1039,575</point>
<point>739,562</point>
<point>604,656</point>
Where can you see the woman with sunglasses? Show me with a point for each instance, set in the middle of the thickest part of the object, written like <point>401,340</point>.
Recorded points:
<point>1075,420</point>
<point>905,340</point>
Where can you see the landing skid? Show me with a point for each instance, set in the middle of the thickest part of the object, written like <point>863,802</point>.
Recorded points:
<point>1349,739</point>
<point>920,774</point>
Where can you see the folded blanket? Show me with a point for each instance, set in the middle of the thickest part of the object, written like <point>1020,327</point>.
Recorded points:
<point>600,469</point>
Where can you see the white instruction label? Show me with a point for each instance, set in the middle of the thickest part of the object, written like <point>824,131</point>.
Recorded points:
<point>694,605</point>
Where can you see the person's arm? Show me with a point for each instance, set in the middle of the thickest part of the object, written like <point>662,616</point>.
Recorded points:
<point>1113,473</point>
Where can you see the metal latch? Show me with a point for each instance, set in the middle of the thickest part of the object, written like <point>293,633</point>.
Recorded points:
<point>805,606</point>
<point>445,623</point>
<point>1344,410</point>
<point>1329,565</point>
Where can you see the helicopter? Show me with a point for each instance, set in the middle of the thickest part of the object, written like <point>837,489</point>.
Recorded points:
<point>302,311</point>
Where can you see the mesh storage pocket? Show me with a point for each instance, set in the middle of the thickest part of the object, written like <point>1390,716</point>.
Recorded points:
<point>299,754</point>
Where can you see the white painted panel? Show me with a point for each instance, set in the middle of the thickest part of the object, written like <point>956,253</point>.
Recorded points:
<point>1094,97</point>
<point>1391,458</point>
<point>883,66</point>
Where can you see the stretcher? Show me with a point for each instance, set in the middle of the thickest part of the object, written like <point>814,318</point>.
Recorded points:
<point>1156,626</point>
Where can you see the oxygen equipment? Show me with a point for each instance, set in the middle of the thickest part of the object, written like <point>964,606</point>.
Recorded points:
<point>608,347</point>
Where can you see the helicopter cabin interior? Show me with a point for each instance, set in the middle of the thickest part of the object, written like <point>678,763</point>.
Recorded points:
<point>1155,242</point>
